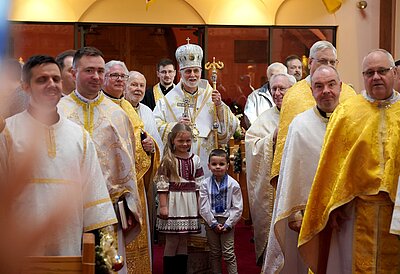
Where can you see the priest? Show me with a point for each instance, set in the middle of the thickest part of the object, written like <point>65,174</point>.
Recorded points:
<point>112,133</point>
<point>260,141</point>
<point>347,219</point>
<point>147,158</point>
<point>299,98</point>
<point>193,102</point>
<point>299,163</point>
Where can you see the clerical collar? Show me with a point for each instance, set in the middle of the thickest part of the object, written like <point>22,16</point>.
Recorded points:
<point>86,100</point>
<point>324,114</point>
<point>166,90</point>
<point>113,97</point>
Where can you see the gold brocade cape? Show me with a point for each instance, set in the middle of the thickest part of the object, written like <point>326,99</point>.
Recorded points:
<point>138,252</point>
<point>112,133</point>
<point>359,159</point>
<point>158,94</point>
<point>297,99</point>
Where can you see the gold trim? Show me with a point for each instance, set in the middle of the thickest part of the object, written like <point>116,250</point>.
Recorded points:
<point>50,143</point>
<point>51,181</point>
<point>97,202</point>
<point>100,225</point>
<point>84,137</point>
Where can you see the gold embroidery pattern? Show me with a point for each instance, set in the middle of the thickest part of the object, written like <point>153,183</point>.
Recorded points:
<point>50,142</point>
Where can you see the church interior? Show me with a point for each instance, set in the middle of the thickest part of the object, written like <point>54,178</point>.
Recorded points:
<point>246,36</point>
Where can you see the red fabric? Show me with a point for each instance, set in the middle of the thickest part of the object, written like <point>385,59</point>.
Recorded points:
<point>244,250</point>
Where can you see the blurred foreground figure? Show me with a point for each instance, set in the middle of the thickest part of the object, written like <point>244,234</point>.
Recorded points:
<point>13,99</point>
<point>64,162</point>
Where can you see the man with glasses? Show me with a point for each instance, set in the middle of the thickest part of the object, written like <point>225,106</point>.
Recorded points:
<point>113,136</point>
<point>147,156</point>
<point>260,100</point>
<point>166,73</point>
<point>260,143</point>
<point>299,97</point>
<point>347,219</point>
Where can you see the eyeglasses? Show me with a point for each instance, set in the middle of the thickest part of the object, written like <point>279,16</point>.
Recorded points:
<point>164,72</point>
<point>115,76</point>
<point>380,71</point>
<point>327,62</point>
<point>275,89</point>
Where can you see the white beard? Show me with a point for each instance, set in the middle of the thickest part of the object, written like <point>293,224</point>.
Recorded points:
<point>189,83</point>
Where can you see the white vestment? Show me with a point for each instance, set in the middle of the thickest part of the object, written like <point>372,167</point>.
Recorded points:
<point>395,224</point>
<point>112,133</point>
<point>66,165</point>
<point>147,116</point>
<point>201,112</point>
<point>299,164</point>
<point>259,155</point>
<point>257,102</point>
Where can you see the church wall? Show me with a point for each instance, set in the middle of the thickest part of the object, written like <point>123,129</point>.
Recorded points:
<point>357,34</point>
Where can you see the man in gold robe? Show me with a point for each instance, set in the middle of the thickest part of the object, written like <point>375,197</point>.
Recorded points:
<point>259,142</point>
<point>347,219</point>
<point>299,97</point>
<point>112,133</point>
<point>300,159</point>
<point>147,157</point>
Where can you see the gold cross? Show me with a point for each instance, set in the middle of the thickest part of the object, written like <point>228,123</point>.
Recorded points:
<point>186,105</point>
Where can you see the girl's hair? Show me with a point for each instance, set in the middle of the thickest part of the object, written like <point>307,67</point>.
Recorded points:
<point>168,164</point>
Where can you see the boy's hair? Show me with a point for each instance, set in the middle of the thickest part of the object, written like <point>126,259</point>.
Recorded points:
<point>33,61</point>
<point>219,153</point>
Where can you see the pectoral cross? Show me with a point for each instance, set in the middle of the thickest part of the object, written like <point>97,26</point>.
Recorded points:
<point>186,105</point>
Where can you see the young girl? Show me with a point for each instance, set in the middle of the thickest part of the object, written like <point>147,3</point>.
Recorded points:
<point>179,179</point>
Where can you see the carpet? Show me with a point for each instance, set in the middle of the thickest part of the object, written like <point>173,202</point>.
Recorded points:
<point>244,249</point>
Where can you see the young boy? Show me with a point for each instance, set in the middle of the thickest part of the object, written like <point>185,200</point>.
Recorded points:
<point>221,207</point>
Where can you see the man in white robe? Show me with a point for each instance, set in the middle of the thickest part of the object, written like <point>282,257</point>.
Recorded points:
<point>261,99</point>
<point>259,142</point>
<point>299,164</point>
<point>65,164</point>
<point>194,102</point>
<point>112,134</point>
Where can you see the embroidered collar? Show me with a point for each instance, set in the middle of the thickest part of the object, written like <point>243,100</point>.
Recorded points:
<point>86,100</point>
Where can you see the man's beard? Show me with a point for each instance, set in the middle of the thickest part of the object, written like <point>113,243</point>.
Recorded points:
<point>190,84</point>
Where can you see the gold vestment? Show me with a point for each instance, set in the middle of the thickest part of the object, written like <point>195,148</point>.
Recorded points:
<point>297,99</point>
<point>138,252</point>
<point>359,166</point>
